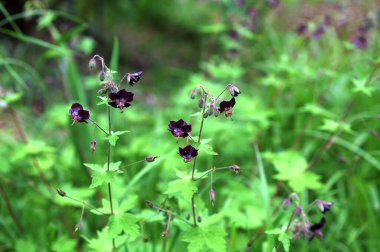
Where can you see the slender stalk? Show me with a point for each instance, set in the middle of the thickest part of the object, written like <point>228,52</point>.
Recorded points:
<point>84,203</point>
<point>193,210</point>
<point>97,125</point>
<point>287,228</point>
<point>128,165</point>
<point>108,168</point>
<point>11,211</point>
<point>170,213</point>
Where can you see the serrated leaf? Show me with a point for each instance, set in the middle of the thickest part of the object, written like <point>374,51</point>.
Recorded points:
<point>104,100</point>
<point>360,87</point>
<point>99,178</point>
<point>123,222</point>
<point>285,238</point>
<point>211,238</point>
<point>316,110</point>
<point>182,187</point>
<point>94,167</point>
<point>114,166</point>
<point>103,242</point>
<point>333,126</point>
<point>274,231</point>
<point>112,139</point>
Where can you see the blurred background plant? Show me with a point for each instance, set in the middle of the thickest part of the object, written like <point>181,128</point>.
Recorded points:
<point>306,120</point>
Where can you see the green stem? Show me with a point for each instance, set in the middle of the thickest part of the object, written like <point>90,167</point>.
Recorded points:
<point>108,168</point>
<point>287,229</point>
<point>11,211</point>
<point>97,125</point>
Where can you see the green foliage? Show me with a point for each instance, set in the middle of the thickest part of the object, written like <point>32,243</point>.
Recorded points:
<point>112,139</point>
<point>102,175</point>
<point>184,187</point>
<point>205,238</point>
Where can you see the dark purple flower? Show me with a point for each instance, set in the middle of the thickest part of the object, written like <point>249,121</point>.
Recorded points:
<point>78,114</point>
<point>179,128</point>
<point>188,153</point>
<point>226,106</point>
<point>120,99</point>
<point>324,206</point>
<point>318,32</point>
<point>234,91</point>
<point>233,34</point>
<point>133,78</point>
<point>302,29</point>
<point>360,42</point>
<point>316,229</point>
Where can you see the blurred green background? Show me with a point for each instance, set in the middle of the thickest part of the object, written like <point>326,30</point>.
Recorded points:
<point>310,99</point>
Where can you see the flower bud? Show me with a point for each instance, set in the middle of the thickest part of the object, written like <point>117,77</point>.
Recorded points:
<point>165,233</point>
<point>188,216</point>
<point>201,102</point>
<point>235,168</point>
<point>93,146</point>
<point>212,196</point>
<point>193,93</point>
<point>102,75</point>
<point>216,112</point>
<point>205,114</point>
<point>92,64</point>
<point>286,203</point>
<point>149,203</point>
<point>298,210</point>
<point>61,192</point>
<point>77,227</point>
<point>151,158</point>
<point>199,219</point>
<point>210,109</point>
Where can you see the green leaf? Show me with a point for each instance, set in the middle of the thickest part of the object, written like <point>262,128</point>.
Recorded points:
<point>45,20</point>
<point>274,231</point>
<point>360,87</point>
<point>291,167</point>
<point>316,110</point>
<point>182,187</point>
<point>285,238</point>
<point>94,167</point>
<point>123,222</point>
<point>207,148</point>
<point>112,139</point>
<point>104,176</point>
<point>210,238</point>
<point>103,100</point>
<point>103,242</point>
<point>333,126</point>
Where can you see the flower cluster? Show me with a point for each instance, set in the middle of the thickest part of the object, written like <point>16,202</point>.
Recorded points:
<point>302,227</point>
<point>338,19</point>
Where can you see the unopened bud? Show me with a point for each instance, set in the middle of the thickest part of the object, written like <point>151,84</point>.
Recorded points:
<point>151,158</point>
<point>210,109</point>
<point>165,233</point>
<point>216,112</point>
<point>201,102</point>
<point>149,203</point>
<point>193,93</point>
<point>77,227</point>
<point>199,219</point>
<point>212,197</point>
<point>102,75</point>
<point>298,210</point>
<point>205,114</point>
<point>93,146</point>
<point>92,64</point>
<point>61,192</point>
<point>286,203</point>
<point>235,168</point>
<point>188,216</point>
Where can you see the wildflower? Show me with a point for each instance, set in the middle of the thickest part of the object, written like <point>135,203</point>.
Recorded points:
<point>188,153</point>
<point>324,206</point>
<point>78,114</point>
<point>318,32</point>
<point>234,91</point>
<point>92,63</point>
<point>302,29</point>
<point>316,229</point>
<point>212,196</point>
<point>179,128</point>
<point>120,99</point>
<point>233,34</point>
<point>201,102</point>
<point>151,158</point>
<point>93,146</point>
<point>133,78</point>
<point>226,106</point>
<point>193,93</point>
<point>360,42</point>
<point>235,168</point>
<point>102,75</point>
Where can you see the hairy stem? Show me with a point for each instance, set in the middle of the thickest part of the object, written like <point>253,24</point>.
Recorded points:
<point>11,211</point>
<point>108,168</point>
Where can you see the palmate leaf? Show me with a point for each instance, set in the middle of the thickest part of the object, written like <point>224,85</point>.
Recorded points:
<point>291,167</point>
<point>103,243</point>
<point>102,175</point>
<point>112,139</point>
<point>183,187</point>
<point>123,222</point>
<point>283,237</point>
<point>205,238</point>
